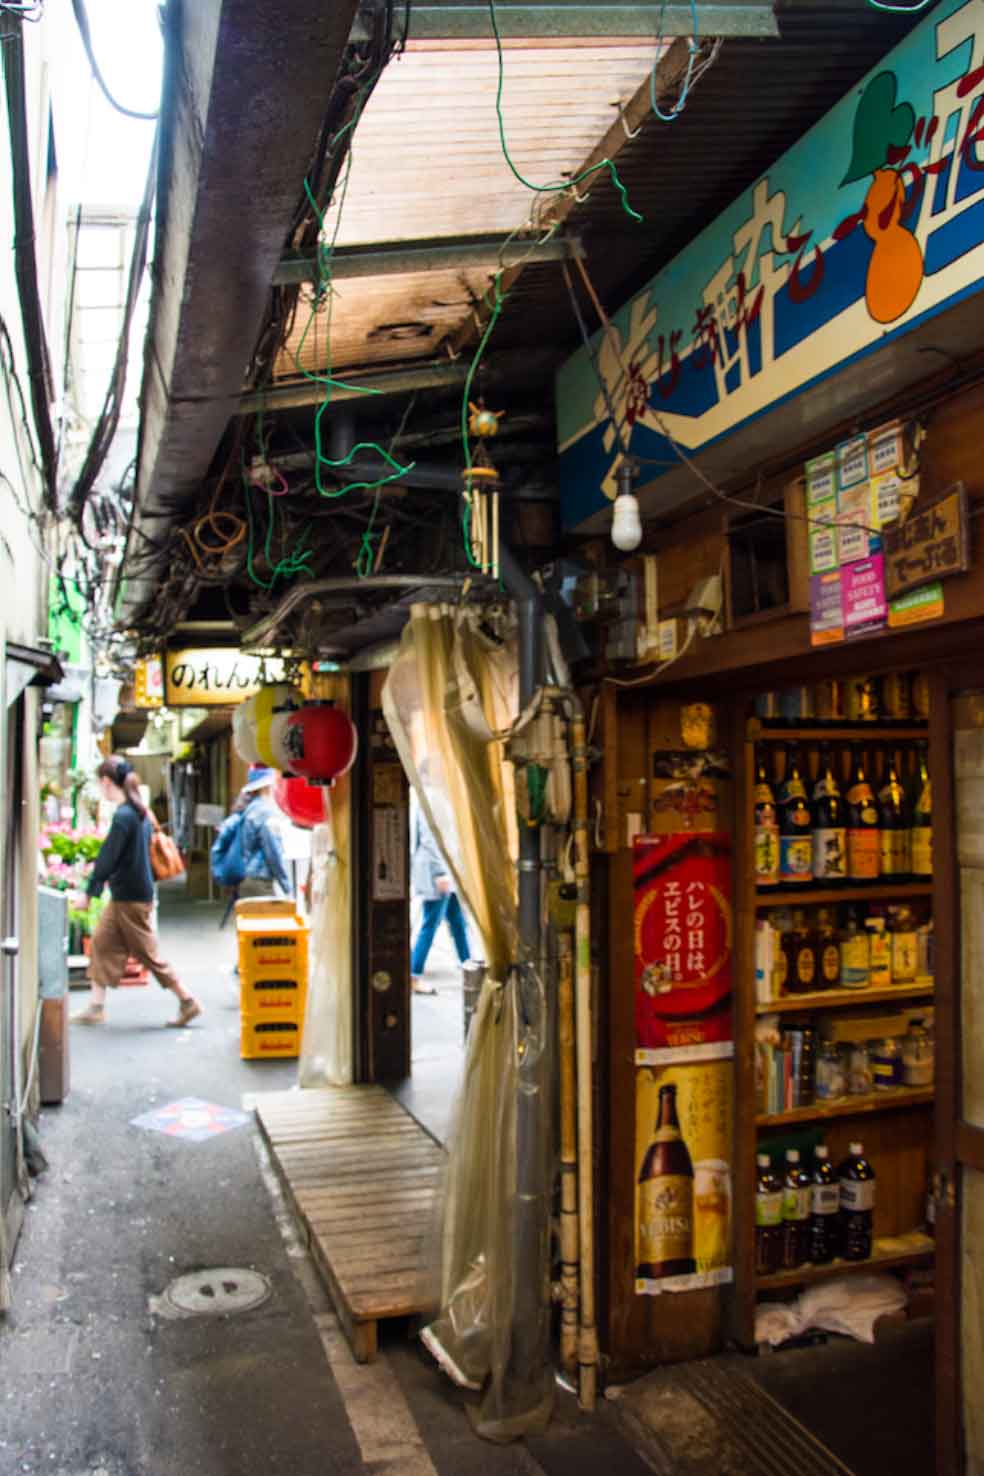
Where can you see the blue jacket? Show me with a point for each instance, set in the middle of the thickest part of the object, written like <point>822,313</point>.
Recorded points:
<point>263,851</point>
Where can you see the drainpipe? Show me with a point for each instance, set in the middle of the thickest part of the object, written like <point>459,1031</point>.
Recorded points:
<point>527,1376</point>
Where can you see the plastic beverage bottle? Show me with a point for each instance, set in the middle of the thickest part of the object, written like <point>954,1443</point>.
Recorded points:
<point>795,1211</point>
<point>857,1204</point>
<point>824,1209</point>
<point>768,1218</point>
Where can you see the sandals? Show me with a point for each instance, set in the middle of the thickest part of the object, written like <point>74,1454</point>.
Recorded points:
<point>419,987</point>
<point>93,1015</point>
<point>188,1010</point>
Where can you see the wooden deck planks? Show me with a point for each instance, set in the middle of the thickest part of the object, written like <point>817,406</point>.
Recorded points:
<point>361,1176</point>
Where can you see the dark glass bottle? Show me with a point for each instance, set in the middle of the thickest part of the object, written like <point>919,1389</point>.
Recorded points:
<point>894,832</point>
<point>799,946</point>
<point>766,818</point>
<point>828,950</point>
<point>829,829</point>
<point>795,826</point>
<point>863,823</point>
<point>666,1198</point>
<point>857,1204</point>
<point>921,813</point>
<point>768,1218</point>
<point>824,1209</point>
<point>795,1211</point>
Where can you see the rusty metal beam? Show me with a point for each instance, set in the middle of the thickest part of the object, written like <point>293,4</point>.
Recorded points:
<point>246,87</point>
<point>389,259</point>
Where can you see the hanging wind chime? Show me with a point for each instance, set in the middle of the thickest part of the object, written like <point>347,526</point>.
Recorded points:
<point>480,488</point>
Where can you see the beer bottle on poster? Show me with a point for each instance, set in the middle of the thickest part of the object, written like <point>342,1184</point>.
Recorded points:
<point>857,1204</point>
<point>894,832</point>
<point>666,1198</point>
<point>824,1209</point>
<point>921,835</point>
<point>795,826</point>
<point>829,831</point>
<point>795,1211</point>
<point>766,828</point>
<point>863,843</point>
<point>768,1218</point>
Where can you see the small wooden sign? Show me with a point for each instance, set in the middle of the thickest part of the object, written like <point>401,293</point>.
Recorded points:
<point>931,544</point>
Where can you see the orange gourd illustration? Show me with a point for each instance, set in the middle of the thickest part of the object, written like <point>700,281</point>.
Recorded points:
<point>895,271</point>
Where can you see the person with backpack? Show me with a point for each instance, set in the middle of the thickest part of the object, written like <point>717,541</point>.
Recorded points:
<point>248,847</point>
<point>126,928</point>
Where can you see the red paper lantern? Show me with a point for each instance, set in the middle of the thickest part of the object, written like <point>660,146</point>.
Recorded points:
<point>320,742</point>
<point>301,802</point>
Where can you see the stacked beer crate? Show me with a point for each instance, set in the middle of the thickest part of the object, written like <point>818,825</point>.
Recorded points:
<point>273,974</point>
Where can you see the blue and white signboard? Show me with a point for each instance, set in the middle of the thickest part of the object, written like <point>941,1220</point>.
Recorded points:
<point>871,223</point>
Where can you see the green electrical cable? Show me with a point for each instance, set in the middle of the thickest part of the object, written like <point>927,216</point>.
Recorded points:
<point>563,184</point>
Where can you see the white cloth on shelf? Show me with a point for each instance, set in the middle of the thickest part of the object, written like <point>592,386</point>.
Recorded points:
<point>847,1304</point>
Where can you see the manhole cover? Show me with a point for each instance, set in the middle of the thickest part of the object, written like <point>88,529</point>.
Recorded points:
<point>219,1291</point>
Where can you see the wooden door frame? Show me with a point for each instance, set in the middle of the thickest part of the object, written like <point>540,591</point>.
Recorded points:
<point>957,1142</point>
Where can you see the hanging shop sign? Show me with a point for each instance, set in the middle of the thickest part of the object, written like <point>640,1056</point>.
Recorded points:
<point>148,682</point>
<point>932,544</point>
<point>869,225</point>
<point>683,930</point>
<point>683,1176</point>
<point>215,676</point>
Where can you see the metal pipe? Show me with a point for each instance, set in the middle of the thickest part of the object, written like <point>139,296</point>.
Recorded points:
<point>587,1350</point>
<point>262,632</point>
<point>587,1355</point>
<point>529,1354</point>
<point>568,1153</point>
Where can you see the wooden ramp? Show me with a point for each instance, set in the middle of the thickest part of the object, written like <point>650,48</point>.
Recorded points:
<point>361,1176</point>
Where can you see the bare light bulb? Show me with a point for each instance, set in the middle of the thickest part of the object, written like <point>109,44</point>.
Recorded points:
<point>626,524</point>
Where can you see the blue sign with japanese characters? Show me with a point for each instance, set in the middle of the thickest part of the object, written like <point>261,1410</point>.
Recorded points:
<point>871,223</point>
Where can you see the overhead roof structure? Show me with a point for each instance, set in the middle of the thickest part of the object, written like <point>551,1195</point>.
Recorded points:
<point>263,294</point>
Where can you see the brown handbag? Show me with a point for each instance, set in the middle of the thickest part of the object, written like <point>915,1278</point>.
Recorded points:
<point>165,858</point>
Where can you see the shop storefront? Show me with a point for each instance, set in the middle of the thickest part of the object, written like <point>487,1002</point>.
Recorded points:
<point>791,746</point>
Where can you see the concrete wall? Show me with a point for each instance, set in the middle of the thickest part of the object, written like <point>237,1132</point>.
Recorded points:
<point>24,543</point>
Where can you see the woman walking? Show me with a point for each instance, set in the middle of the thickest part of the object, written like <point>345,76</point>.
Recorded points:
<point>126,928</point>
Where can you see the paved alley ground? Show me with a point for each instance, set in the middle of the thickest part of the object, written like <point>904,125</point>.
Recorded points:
<point>97,1382</point>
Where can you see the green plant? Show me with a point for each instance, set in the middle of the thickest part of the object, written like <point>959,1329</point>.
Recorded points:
<point>86,918</point>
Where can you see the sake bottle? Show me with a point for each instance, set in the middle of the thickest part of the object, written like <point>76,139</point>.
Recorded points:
<point>863,823</point>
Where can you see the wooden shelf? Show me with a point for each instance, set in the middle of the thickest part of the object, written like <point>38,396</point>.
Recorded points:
<point>885,891</point>
<point>886,1101</point>
<point>829,999</point>
<point>843,733</point>
<point>894,1250</point>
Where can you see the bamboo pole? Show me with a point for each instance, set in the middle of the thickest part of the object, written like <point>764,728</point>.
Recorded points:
<point>568,1152</point>
<point>587,1355</point>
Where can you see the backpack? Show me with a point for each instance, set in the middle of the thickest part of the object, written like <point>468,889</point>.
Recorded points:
<point>226,856</point>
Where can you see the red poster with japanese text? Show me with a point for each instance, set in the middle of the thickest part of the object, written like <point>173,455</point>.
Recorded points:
<point>683,932</point>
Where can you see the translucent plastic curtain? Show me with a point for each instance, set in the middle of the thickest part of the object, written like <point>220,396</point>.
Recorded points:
<point>449,692</point>
<point>326,1045</point>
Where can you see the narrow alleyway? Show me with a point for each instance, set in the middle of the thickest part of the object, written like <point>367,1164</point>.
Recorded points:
<point>97,1382</point>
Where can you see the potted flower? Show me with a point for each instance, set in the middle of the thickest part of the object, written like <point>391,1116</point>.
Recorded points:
<point>82,920</point>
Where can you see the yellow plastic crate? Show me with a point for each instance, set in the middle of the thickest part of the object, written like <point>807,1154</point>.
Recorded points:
<point>272,998</point>
<point>265,1040</point>
<point>272,947</point>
